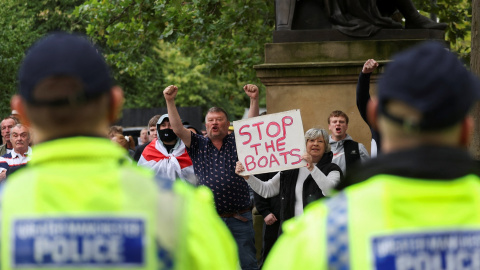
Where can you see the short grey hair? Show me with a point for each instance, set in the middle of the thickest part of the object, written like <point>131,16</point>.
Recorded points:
<point>314,133</point>
<point>216,110</point>
<point>20,126</point>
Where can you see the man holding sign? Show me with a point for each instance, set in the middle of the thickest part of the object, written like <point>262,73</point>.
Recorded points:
<point>214,157</point>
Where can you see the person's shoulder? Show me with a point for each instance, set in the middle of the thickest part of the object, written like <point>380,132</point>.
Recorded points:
<point>229,137</point>
<point>141,147</point>
<point>197,141</point>
<point>361,146</point>
<point>6,156</point>
<point>303,241</point>
<point>350,139</point>
<point>198,137</point>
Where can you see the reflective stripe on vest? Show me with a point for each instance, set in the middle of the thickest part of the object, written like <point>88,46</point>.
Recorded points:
<point>122,233</point>
<point>419,224</point>
<point>337,233</point>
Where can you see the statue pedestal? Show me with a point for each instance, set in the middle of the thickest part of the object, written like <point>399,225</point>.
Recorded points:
<point>320,77</point>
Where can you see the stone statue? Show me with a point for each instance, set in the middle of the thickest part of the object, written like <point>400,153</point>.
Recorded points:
<point>357,18</point>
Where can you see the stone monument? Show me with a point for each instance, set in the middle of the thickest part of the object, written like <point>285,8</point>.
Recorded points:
<point>320,46</point>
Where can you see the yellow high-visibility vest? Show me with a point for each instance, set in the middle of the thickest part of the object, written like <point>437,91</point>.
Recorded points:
<point>387,222</point>
<point>80,204</point>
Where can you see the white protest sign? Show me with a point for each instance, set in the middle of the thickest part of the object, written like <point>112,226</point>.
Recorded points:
<point>269,143</point>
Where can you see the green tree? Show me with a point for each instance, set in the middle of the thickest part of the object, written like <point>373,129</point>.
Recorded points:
<point>206,47</point>
<point>13,42</point>
<point>474,146</point>
<point>22,22</point>
<point>458,15</point>
<point>216,45</point>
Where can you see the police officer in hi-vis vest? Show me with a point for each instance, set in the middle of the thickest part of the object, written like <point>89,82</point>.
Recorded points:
<point>79,203</point>
<point>417,205</point>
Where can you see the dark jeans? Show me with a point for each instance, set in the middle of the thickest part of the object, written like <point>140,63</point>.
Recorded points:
<point>245,238</point>
<point>270,235</point>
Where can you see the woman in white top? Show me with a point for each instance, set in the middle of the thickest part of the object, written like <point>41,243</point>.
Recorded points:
<point>298,187</point>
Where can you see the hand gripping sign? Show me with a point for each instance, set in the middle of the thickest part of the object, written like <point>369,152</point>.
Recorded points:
<point>269,143</point>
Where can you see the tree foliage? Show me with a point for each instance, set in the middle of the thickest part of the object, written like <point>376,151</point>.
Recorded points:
<point>22,22</point>
<point>206,47</point>
<point>12,45</point>
<point>212,47</point>
<point>458,15</point>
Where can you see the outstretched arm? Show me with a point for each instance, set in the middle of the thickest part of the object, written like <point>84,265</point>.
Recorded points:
<point>184,134</point>
<point>266,189</point>
<point>363,87</point>
<point>252,91</point>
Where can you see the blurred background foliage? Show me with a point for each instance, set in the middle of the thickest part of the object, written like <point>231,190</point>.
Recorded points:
<point>206,47</point>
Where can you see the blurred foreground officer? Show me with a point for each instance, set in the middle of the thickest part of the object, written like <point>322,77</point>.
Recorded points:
<point>418,206</point>
<point>79,203</point>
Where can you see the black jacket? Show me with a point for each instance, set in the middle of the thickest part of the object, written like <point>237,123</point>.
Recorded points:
<point>363,97</point>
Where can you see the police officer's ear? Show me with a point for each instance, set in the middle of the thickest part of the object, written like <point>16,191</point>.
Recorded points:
<point>18,104</point>
<point>372,113</point>
<point>116,103</point>
<point>466,131</point>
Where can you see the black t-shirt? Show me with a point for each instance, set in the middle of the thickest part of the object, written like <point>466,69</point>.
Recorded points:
<point>169,147</point>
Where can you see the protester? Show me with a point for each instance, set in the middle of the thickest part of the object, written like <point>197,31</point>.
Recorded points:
<point>299,187</point>
<point>416,205</point>
<point>346,151</point>
<point>214,158</point>
<point>115,130</point>
<point>125,142</point>
<point>363,97</point>
<point>6,124</point>
<point>20,154</point>
<point>143,136</point>
<point>167,155</point>
<point>152,135</point>
<point>79,203</point>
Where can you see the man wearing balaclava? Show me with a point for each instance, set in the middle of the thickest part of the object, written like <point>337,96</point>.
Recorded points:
<point>167,155</point>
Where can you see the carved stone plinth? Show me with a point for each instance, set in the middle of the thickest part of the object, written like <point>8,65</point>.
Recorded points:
<point>319,77</point>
